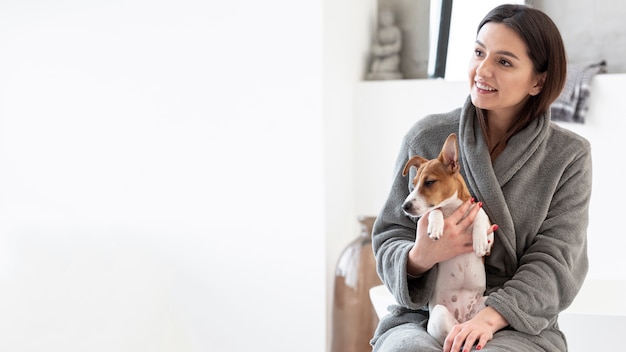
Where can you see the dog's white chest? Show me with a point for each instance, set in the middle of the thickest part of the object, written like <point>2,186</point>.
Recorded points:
<point>460,286</point>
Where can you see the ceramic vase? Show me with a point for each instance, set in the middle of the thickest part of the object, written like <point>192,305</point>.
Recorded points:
<point>353,317</point>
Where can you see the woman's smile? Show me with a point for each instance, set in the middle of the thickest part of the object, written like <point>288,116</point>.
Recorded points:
<point>485,87</point>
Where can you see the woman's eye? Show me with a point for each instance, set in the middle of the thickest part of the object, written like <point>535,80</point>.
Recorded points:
<point>478,53</point>
<point>505,63</point>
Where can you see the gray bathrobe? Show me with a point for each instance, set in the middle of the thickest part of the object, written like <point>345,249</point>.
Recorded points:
<point>537,191</point>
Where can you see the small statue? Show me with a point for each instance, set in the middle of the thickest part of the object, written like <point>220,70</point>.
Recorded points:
<point>386,49</point>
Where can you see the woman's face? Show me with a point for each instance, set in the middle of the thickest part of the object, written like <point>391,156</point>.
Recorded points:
<point>501,73</point>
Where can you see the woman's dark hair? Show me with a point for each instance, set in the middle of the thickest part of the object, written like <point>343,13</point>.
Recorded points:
<point>546,51</point>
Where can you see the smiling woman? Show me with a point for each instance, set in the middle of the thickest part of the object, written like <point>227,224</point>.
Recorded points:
<point>538,261</point>
<point>501,74</point>
<point>502,78</point>
<point>513,68</point>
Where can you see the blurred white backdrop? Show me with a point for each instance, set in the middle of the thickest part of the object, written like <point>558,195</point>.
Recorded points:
<point>161,176</point>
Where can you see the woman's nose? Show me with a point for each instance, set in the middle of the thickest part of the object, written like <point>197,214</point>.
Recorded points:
<point>484,68</point>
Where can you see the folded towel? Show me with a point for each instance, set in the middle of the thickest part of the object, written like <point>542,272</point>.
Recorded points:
<point>571,105</point>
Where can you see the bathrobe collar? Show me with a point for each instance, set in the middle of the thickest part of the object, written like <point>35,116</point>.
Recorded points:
<point>485,180</point>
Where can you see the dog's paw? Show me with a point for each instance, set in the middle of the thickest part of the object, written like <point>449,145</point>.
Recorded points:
<point>482,244</point>
<point>489,243</point>
<point>435,230</point>
<point>435,224</point>
<point>483,241</point>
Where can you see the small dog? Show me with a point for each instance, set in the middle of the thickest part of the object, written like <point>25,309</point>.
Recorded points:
<point>460,283</point>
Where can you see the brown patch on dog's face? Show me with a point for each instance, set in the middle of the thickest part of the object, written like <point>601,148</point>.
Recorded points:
<point>433,183</point>
<point>436,180</point>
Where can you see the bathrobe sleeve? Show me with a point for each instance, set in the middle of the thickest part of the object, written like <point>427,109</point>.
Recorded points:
<point>551,234</point>
<point>393,236</point>
<point>393,233</point>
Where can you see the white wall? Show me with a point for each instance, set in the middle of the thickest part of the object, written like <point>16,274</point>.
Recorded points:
<point>348,28</point>
<point>161,176</point>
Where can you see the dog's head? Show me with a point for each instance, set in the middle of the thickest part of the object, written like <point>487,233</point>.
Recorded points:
<point>437,181</point>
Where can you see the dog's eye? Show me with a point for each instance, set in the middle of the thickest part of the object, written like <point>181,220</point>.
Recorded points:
<point>429,183</point>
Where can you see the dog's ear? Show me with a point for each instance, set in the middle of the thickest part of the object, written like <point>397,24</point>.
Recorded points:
<point>414,161</point>
<point>449,155</point>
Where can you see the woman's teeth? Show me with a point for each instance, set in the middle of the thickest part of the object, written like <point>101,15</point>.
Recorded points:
<point>484,87</point>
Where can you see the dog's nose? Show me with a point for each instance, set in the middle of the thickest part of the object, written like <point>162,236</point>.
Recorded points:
<point>406,206</point>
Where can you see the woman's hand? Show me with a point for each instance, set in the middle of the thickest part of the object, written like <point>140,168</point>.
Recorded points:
<point>456,239</point>
<point>477,331</point>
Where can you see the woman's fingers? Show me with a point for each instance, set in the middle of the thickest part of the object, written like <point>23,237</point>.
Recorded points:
<point>466,213</point>
<point>472,213</point>
<point>466,336</point>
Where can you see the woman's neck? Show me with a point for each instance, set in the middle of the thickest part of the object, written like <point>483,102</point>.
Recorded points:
<point>498,126</point>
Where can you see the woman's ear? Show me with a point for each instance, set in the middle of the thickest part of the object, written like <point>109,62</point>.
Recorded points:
<point>536,89</point>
